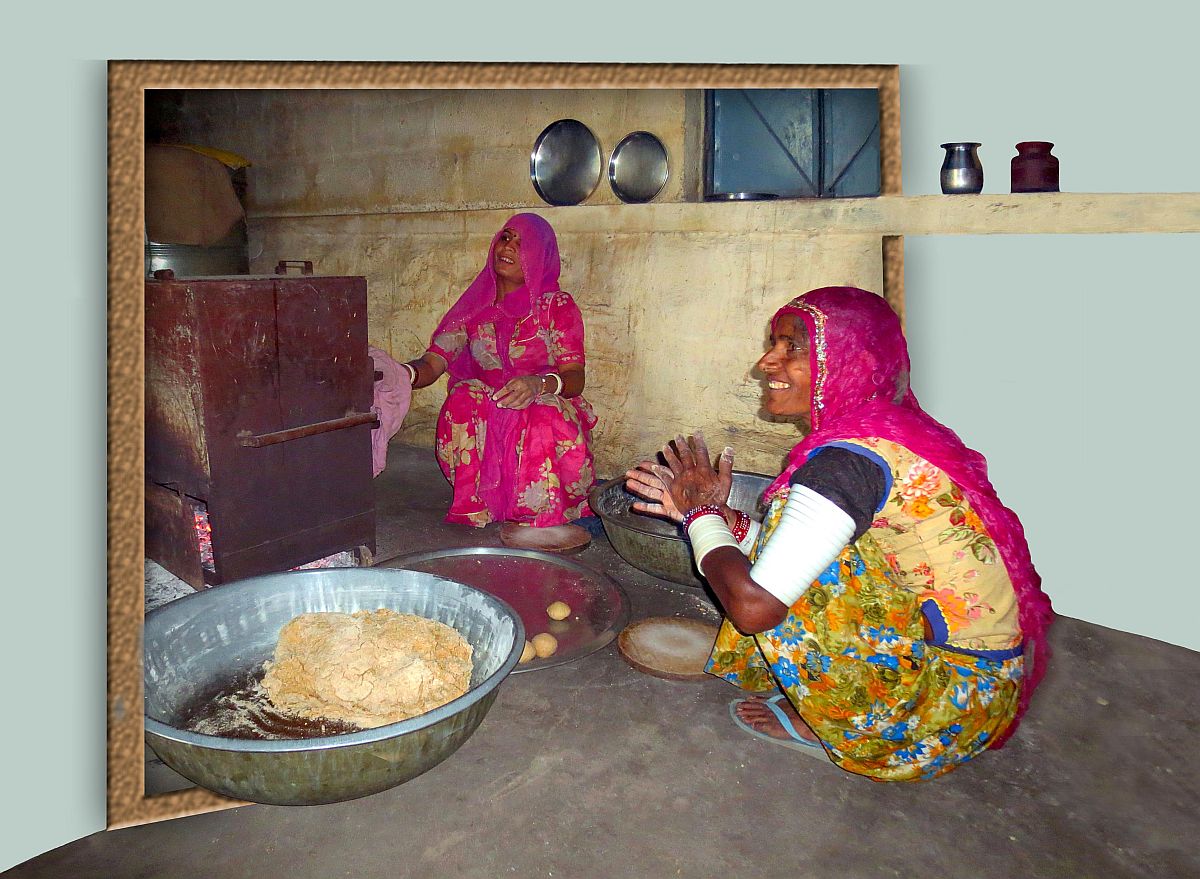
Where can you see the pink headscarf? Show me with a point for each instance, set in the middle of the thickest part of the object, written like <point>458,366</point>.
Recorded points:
<point>541,265</point>
<point>860,372</point>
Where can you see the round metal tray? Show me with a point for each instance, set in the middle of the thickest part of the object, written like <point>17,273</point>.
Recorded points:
<point>565,163</point>
<point>529,582</point>
<point>637,170</point>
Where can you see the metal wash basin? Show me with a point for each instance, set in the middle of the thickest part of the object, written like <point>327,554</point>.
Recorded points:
<point>655,545</point>
<point>195,643</point>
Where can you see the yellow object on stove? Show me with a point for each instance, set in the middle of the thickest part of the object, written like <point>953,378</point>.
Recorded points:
<point>230,160</point>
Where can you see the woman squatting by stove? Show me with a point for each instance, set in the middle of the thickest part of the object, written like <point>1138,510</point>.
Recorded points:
<point>513,437</point>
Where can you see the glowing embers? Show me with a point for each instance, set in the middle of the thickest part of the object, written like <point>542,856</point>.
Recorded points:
<point>203,534</point>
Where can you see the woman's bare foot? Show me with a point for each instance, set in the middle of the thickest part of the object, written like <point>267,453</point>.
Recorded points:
<point>756,714</point>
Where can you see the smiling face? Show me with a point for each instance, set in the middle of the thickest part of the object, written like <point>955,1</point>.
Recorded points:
<point>506,260</point>
<point>787,369</point>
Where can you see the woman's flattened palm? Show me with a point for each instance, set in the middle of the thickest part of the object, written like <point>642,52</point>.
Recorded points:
<point>647,482</point>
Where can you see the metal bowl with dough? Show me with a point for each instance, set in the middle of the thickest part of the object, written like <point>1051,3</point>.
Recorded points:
<point>655,545</point>
<point>193,644</point>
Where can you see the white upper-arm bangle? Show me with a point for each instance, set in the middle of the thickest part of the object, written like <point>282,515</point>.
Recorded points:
<point>811,533</point>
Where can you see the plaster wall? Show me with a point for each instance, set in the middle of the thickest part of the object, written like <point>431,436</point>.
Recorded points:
<point>348,151</point>
<point>407,187</point>
<point>675,318</point>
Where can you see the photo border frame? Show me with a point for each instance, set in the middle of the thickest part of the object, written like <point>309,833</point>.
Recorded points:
<point>127,803</point>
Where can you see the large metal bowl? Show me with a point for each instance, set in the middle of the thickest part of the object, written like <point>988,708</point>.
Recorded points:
<point>655,545</point>
<point>195,644</point>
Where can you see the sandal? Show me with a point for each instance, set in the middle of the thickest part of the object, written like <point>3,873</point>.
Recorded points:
<point>795,741</point>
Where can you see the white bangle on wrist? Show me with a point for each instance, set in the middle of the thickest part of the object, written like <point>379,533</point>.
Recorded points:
<point>706,533</point>
<point>412,373</point>
<point>558,379</point>
<point>747,543</point>
<point>811,533</point>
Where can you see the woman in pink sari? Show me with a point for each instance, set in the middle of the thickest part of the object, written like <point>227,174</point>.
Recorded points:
<point>887,602</point>
<point>513,435</point>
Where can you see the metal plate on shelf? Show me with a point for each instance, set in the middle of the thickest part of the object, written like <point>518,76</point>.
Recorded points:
<point>741,196</point>
<point>565,163</point>
<point>637,170</point>
<point>530,582</point>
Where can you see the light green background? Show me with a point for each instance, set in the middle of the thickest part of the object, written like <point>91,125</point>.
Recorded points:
<point>1112,92</point>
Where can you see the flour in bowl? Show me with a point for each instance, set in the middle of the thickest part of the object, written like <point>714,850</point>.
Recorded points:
<point>368,668</point>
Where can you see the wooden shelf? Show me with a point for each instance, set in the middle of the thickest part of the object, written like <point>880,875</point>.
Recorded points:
<point>984,214</point>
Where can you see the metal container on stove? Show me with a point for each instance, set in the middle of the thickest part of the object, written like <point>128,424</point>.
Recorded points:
<point>194,644</point>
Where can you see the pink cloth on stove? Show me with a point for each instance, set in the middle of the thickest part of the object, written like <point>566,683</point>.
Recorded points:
<point>393,393</point>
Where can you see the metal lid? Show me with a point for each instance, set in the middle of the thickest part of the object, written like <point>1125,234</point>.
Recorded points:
<point>637,170</point>
<point>565,163</point>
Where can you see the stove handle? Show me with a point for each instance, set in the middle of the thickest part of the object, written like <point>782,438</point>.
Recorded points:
<point>305,266</point>
<point>282,436</point>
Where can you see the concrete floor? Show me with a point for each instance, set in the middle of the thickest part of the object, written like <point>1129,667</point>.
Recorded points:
<point>592,769</point>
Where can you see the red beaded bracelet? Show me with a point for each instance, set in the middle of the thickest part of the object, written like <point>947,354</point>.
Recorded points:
<point>741,527</point>
<point>703,510</point>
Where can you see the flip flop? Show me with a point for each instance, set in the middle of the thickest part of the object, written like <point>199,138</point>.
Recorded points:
<point>813,749</point>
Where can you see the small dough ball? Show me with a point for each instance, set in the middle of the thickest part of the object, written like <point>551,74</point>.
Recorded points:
<point>559,610</point>
<point>528,653</point>
<point>544,644</point>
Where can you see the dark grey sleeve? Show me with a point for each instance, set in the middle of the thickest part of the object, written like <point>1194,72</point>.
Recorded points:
<point>854,482</point>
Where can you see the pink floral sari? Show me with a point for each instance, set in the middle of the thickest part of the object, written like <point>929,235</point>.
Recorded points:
<point>531,465</point>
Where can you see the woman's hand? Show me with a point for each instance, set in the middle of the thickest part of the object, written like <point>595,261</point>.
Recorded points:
<point>519,392</point>
<point>693,482</point>
<point>647,481</point>
<point>687,481</point>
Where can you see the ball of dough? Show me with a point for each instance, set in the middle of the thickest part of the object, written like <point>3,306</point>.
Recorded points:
<point>559,610</point>
<point>545,644</point>
<point>528,653</point>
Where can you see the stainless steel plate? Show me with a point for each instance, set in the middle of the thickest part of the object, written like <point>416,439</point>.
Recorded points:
<point>637,170</point>
<point>741,196</point>
<point>565,163</point>
<point>530,582</point>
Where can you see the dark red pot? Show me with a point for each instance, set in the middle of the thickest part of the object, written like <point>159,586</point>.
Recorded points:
<point>1034,168</point>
